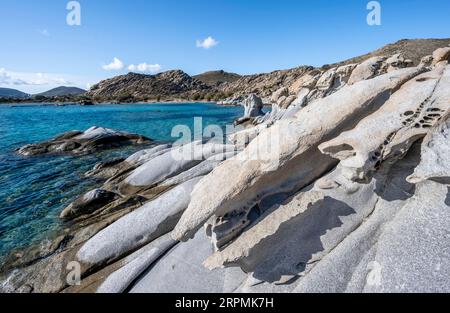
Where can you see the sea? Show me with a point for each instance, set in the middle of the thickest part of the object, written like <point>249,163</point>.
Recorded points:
<point>34,190</point>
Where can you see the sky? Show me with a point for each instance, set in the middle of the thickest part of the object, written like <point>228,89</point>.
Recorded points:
<point>39,50</point>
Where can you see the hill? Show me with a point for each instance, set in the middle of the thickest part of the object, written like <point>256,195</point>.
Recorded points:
<point>413,49</point>
<point>12,94</point>
<point>217,85</point>
<point>63,91</point>
<point>170,84</point>
<point>214,78</point>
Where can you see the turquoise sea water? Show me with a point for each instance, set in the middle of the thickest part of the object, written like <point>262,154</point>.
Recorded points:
<point>34,190</point>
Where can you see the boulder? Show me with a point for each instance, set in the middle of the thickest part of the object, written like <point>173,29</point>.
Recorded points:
<point>282,92</point>
<point>287,102</point>
<point>308,80</point>
<point>253,106</point>
<point>326,80</point>
<point>92,140</point>
<point>367,69</point>
<point>426,61</point>
<point>88,203</point>
<point>441,54</point>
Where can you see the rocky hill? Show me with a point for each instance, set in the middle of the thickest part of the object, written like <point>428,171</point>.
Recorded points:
<point>216,78</point>
<point>412,49</point>
<point>167,85</point>
<point>218,85</point>
<point>63,91</point>
<point>12,93</point>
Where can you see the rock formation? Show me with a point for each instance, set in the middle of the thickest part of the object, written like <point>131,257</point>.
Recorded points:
<point>344,187</point>
<point>75,142</point>
<point>253,106</point>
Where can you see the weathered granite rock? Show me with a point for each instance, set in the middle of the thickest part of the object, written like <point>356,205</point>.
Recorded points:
<point>269,165</point>
<point>120,280</point>
<point>366,70</point>
<point>426,61</point>
<point>308,80</point>
<point>349,266</point>
<point>181,270</point>
<point>88,203</point>
<point>287,102</point>
<point>143,156</point>
<point>138,228</point>
<point>412,254</point>
<point>294,218</point>
<point>441,54</point>
<point>168,165</point>
<point>435,160</point>
<point>116,169</point>
<point>326,80</point>
<point>106,170</point>
<point>253,106</point>
<point>397,61</point>
<point>390,131</point>
<point>290,237</point>
<point>92,140</point>
<point>282,92</point>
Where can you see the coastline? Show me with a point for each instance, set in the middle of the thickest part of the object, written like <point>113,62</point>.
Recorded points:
<point>55,103</point>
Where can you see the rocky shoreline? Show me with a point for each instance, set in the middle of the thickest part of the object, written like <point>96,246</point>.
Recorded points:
<point>342,187</point>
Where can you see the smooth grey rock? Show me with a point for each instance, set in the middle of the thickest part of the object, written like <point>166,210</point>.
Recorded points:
<point>181,271</point>
<point>139,227</point>
<point>88,203</point>
<point>123,278</point>
<point>285,156</point>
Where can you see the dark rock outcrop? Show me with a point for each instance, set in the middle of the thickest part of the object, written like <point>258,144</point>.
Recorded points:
<point>77,143</point>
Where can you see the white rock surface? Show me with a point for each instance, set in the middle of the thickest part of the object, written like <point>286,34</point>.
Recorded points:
<point>181,270</point>
<point>139,227</point>
<point>397,121</point>
<point>173,163</point>
<point>285,156</point>
<point>435,162</point>
<point>120,280</point>
<point>145,155</point>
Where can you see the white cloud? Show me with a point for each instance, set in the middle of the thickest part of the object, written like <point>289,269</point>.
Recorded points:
<point>37,82</point>
<point>207,43</point>
<point>115,65</point>
<point>44,32</point>
<point>30,79</point>
<point>144,67</point>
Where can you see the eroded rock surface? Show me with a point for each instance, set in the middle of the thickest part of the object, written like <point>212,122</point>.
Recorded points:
<point>343,187</point>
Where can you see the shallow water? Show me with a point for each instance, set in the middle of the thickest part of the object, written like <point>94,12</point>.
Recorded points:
<point>34,190</point>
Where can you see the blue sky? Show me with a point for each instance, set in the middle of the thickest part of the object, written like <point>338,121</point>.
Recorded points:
<point>39,50</point>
